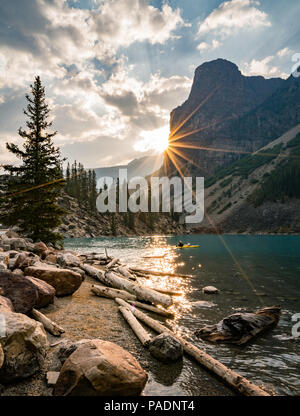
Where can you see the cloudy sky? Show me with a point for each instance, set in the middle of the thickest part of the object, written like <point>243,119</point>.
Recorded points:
<point>114,69</point>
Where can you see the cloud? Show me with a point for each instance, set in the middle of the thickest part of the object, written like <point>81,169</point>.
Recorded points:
<point>139,22</point>
<point>234,15</point>
<point>263,68</point>
<point>284,52</point>
<point>204,45</point>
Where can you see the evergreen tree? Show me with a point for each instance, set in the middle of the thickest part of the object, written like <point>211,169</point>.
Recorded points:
<point>31,195</point>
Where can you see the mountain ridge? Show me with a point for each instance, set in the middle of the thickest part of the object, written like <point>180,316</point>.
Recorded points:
<point>230,111</point>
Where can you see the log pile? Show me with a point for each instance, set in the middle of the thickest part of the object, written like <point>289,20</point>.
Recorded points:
<point>131,297</point>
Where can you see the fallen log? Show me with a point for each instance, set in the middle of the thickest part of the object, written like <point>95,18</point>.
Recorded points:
<point>150,308</point>
<point>167,291</point>
<point>240,328</point>
<point>125,272</point>
<point>137,328</point>
<point>112,263</point>
<point>108,292</point>
<point>91,271</point>
<point>232,378</point>
<point>111,279</point>
<point>156,273</point>
<point>49,325</point>
<point>142,293</point>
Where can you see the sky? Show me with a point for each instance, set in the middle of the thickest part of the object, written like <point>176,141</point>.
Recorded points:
<point>114,69</point>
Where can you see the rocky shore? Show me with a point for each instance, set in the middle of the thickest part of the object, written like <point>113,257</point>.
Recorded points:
<point>37,279</point>
<point>78,222</point>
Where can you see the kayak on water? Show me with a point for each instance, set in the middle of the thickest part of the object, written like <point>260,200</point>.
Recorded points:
<point>187,246</point>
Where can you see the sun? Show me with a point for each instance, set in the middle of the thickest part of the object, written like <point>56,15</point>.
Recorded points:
<point>157,140</point>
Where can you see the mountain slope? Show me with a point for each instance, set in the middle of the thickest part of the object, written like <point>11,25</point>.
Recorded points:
<point>226,110</point>
<point>259,192</point>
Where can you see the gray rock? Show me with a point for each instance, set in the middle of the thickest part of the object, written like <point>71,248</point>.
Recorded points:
<point>24,345</point>
<point>166,348</point>
<point>210,290</point>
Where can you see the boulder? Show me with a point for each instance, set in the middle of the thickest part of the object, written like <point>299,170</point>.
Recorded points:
<point>166,348</point>
<point>64,281</point>
<point>5,304</point>
<point>21,291</point>
<point>40,247</point>
<point>100,368</point>
<point>51,258</point>
<point>16,243</point>
<point>24,345</point>
<point>4,258</point>
<point>18,272</point>
<point>68,260</point>
<point>46,292</point>
<point>3,266</point>
<point>25,260</point>
<point>11,234</point>
<point>203,304</point>
<point>210,290</point>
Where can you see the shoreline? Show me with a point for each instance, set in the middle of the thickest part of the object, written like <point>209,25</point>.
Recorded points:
<point>103,320</point>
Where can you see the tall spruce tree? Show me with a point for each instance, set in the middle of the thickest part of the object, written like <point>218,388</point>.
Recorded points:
<point>32,192</point>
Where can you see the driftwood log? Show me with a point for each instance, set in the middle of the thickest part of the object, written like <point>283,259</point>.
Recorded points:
<point>125,272</point>
<point>137,328</point>
<point>235,380</point>
<point>156,273</point>
<point>167,291</point>
<point>118,282</point>
<point>112,263</point>
<point>150,308</point>
<point>240,328</point>
<point>90,270</point>
<point>49,325</point>
<point>108,292</point>
<point>142,293</point>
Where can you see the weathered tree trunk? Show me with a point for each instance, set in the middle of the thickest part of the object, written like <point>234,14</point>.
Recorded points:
<point>113,280</point>
<point>112,263</point>
<point>49,325</point>
<point>235,380</point>
<point>142,293</point>
<point>91,270</point>
<point>150,308</point>
<point>108,292</point>
<point>240,328</point>
<point>156,273</point>
<point>167,291</point>
<point>125,272</point>
<point>137,328</point>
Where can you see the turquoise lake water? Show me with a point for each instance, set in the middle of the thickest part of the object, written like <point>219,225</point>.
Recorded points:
<point>249,271</point>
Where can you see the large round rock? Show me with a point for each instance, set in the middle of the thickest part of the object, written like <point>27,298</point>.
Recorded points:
<point>24,343</point>
<point>46,292</point>
<point>21,291</point>
<point>100,368</point>
<point>64,281</point>
<point>166,348</point>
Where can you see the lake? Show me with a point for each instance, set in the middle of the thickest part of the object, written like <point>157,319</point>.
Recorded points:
<point>249,271</point>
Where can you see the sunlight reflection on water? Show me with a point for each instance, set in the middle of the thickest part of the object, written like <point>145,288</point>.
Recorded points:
<point>271,265</point>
